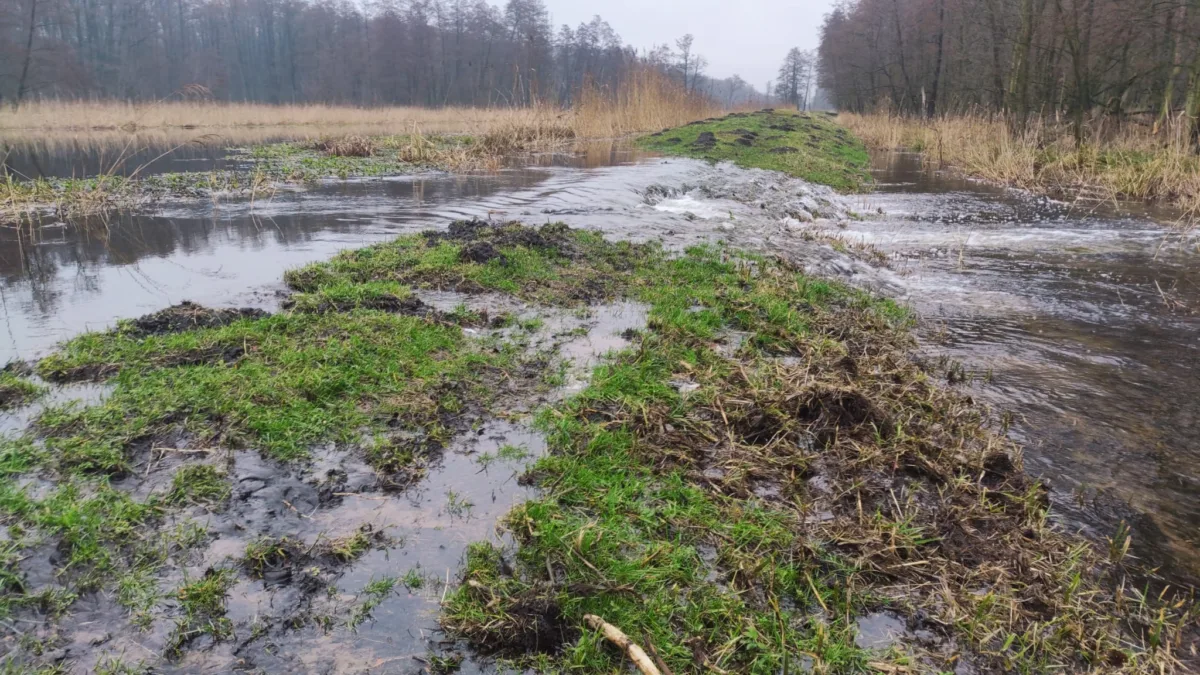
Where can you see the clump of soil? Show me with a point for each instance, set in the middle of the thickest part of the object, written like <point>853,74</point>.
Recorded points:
<point>187,316</point>
<point>215,354</point>
<point>522,619</point>
<point>533,624</point>
<point>783,150</point>
<point>707,140</point>
<point>14,389</point>
<point>480,252</point>
<point>11,396</point>
<point>482,239</point>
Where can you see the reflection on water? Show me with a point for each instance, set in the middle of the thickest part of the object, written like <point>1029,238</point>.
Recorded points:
<point>1085,317</point>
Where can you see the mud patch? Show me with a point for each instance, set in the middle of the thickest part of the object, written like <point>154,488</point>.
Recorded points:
<point>188,316</point>
<point>707,140</point>
<point>409,305</point>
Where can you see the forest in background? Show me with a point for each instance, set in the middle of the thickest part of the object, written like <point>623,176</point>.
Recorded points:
<point>396,52</point>
<point>1074,58</point>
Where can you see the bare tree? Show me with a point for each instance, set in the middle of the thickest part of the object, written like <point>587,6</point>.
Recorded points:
<point>794,78</point>
<point>1074,58</point>
<point>27,58</point>
<point>417,52</point>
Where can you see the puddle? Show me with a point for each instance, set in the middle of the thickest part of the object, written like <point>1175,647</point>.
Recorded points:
<point>277,621</point>
<point>15,420</point>
<point>603,329</point>
<point>878,631</point>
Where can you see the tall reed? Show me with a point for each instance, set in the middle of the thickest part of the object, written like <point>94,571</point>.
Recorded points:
<point>646,100</point>
<point>1115,162</point>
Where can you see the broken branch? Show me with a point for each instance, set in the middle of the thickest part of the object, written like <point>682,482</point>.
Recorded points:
<point>620,639</point>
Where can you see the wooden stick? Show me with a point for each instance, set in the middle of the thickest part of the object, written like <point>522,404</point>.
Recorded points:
<point>620,639</point>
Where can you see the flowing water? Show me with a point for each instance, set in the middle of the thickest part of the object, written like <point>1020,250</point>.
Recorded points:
<point>1081,321</point>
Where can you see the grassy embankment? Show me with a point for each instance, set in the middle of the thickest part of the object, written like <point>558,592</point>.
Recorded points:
<point>328,142</point>
<point>806,145</point>
<point>1129,163</point>
<point>763,466</point>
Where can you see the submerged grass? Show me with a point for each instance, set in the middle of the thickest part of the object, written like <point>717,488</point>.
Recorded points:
<point>358,361</point>
<point>762,468</point>
<point>16,390</point>
<point>806,145</point>
<point>330,141</point>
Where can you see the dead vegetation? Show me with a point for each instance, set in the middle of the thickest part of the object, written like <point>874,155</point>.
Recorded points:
<point>1114,163</point>
<point>346,146</point>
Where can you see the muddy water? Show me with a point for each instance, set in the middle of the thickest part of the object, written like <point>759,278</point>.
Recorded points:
<point>1078,319</point>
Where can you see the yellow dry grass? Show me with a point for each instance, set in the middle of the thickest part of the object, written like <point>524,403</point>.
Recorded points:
<point>116,115</point>
<point>648,101</point>
<point>1125,163</point>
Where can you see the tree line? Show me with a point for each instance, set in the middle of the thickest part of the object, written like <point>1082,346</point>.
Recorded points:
<point>1021,57</point>
<point>410,52</point>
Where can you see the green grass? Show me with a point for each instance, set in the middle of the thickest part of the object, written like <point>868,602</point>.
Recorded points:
<point>550,265</point>
<point>346,364</point>
<point>199,484</point>
<point>639,541</point>
<point>653,515</point>
<point>280,383</point>
<point>202,609</point>
<point>372,595</point>
<point>16,390</point>
<point>806,145</point>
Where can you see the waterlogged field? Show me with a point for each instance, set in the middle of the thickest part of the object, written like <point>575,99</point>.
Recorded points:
<point>757,478</point>
<point>260,171</point>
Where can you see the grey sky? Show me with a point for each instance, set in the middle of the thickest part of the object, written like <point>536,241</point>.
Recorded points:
<point>747,37</point>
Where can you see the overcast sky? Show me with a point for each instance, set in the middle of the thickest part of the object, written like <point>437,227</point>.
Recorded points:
<point>747,37</point>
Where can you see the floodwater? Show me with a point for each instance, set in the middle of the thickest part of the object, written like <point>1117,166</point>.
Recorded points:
<point>1081,320</point>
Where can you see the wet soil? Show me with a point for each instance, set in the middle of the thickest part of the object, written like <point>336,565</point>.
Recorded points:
<point>300,607</point>
<point>188,315</point>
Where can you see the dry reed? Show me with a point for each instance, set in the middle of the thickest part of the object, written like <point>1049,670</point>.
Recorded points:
<point>1114,163</point>
<point>646,101</point>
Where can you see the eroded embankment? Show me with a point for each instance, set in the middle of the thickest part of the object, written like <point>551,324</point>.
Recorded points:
<point>762,480</point>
